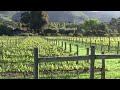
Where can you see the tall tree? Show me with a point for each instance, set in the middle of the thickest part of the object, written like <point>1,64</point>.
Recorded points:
<point>25,17</point>
<point>94,27</point>
<point>38,21</point>
<point>35,20</point>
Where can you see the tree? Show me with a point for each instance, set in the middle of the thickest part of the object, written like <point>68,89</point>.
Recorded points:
<point>25,20</point>
<point>4,30</point>
<point>25,17</point>
<point>35,20</point>
<point>38,21</point>
<point>94,27</point>
<point>90,24</point>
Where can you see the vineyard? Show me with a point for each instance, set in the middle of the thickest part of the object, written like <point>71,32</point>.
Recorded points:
<point>17,57</point>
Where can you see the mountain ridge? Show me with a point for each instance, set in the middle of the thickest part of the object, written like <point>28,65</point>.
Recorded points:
<point>61,16</point>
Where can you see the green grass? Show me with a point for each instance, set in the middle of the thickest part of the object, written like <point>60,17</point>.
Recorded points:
<point>17,60</point>
<point>112,65</point>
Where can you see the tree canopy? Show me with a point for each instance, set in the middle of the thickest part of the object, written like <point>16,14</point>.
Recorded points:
<point>35,20</point>
<point>94,27</point>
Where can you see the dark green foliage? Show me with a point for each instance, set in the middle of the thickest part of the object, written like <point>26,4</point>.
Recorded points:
<point>114,25</point>
<point>12,24</point>
<point>49,31</point>
<point>38,20</point>
<point>67,32</point>
<point>4,30</point>
<point>35,20</point>
<point>24,34</point>
<point>28,34</point>
<point>61,31</point>
<point>25,20</point>
<point>25,17</point>
<point>94,27</point>
<point>79,34</point>
<point>70,34</point>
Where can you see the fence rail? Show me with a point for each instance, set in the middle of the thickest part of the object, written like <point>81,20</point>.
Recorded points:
<point>92,58</point>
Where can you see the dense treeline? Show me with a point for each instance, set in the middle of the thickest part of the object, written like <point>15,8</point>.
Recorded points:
<point>6,27</point>
<point>114,26</point>
<point>87,28</point>
<point>36,22</point>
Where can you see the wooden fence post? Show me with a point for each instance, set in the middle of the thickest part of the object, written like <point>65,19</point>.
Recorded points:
<point>77,50</point>
<point>118,44</point>
<point>101,47</point>
<point>87,49</point>
<point>118,48</point>
<point>90,41</point>
<point>2,49</point>
<point>69,40</point>
<point>109,45</point>
<point>95,43</point>
<point>92,62</point>
<point>36,64</point>
<point>85,42</point>
<point>65,46</point>
<point>70,47</point>
<point>77,53</point>
<point>54,41</point>
<point>103,68</point>
<point>62,43</point>
<point>58,43</point>
<point>82,40</point>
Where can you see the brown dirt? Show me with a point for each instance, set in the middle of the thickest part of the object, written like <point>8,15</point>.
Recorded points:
<point>15,75</point>
<point>70,71</point>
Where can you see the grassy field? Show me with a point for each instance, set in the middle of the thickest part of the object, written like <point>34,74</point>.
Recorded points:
<point>17,60</point>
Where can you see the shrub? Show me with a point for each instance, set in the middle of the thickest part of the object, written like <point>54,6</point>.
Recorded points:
<point>4,30</point>
<point>36,34</point>
<point>24,34</point>
<point>46,31</point>
<point>70,34</point>
<point>31,34</point>
<point>48,34</point>
<point>79,34</point>
<point>61,31</point>
<point>58,34</point>
<point>106,35</point>
<point>67,32</point>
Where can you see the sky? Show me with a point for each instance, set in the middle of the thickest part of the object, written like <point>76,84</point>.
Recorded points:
<point>95,11</point>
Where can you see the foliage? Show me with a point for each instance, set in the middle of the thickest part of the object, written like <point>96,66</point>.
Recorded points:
<point>28,34</point>
<point>94,27</point>
<point>24,34</point>
<point>70,34</point>
<point>18,60</point>
<point>4,30</point>
<point>35,20</point>
<point>114,25</point>
<point>25,17</point>
<point>11,24</point>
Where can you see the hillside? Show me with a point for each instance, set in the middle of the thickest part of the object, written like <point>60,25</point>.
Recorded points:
<point>61,16</point>
<point>67,16</point>
<point>104,16</point>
